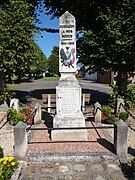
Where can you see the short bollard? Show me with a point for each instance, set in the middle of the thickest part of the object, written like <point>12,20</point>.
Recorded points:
<point>83,102</point>
<point>120,138</point>
<point>20,140</point>
<point>15,103</point>
<point>97,112</point>
<point>119,106</point>
<point>49,103</point>
<point>37,116</point>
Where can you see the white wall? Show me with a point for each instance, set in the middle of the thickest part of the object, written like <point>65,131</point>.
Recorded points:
<point>91,77</point>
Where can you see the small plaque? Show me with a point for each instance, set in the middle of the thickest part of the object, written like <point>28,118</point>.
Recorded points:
<point>68,100</point>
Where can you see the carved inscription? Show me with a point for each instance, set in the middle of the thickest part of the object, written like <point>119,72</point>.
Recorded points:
<point>68,100</point>
<point>67,50</point>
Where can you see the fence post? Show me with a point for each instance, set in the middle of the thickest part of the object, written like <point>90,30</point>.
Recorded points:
<point>49,102</point>
<point>119,106</point>
<point>15,103</point>
<point>97,112</point>
<point>37,116</point>
<point>20,140</point>
<point>120,138</point>
<point>83,102</point>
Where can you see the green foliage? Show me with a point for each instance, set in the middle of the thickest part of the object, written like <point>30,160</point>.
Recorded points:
<point>39,63</point>
<point>89,8</point>
<point>107,116</point>
<point>106,110</point>
<point>133,166</point>
<point>6,95</point>
<point>111,46</point>
<point>111,119</point>
<point>15,117</point>
<point>8,166</point>
<point>123,116</point>
<point>1,152</point>
<point>16,38</point>
<point>53,62</point>
<point>128,96</point>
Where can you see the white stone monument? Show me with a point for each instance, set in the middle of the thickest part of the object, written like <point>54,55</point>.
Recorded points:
<point>68,91</point>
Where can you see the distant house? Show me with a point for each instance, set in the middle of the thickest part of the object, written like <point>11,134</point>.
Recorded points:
<point>106,78</point>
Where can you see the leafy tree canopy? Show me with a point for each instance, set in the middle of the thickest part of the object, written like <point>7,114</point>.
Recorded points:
<point>17,39</point>
<point>112,46</point>
<point>53,61</point>
<point>39,63</point>
<point>107,34</point>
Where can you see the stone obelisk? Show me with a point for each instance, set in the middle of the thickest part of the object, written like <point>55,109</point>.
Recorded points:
<point>68,91</point>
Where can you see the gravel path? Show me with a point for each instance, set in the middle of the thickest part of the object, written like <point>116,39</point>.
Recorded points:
<point>6,137</point>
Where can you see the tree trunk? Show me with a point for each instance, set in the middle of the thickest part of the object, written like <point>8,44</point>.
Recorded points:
<point>2,82</point>
<point>122,82</point>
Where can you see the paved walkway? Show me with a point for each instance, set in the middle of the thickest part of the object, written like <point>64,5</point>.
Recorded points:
<point>74,168</point>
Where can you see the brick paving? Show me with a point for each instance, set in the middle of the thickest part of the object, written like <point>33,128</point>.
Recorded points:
<point>41,143</point>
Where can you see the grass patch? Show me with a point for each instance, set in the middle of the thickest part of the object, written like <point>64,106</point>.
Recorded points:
<point>50,78</point>
<point>13,86</point>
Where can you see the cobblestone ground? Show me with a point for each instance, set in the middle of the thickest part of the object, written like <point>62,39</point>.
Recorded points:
<point>72,170</point>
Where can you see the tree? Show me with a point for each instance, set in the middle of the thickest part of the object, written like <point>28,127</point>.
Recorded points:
<point>112,46</point>
<point>53,61</point>
<point>17,39</point>
<point>39,64</point>
<point>85,11</point>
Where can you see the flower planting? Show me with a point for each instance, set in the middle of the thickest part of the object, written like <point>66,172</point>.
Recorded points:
<point>14,117</point>
<point>107,116</point>
<point>8,166</point>
<point>27,112</point>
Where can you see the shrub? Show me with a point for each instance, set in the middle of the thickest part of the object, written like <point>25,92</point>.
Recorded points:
<point>8,166</point>
<point>107,116</point>
<point>133,166</point>
<point>106,110</point>
<point>15,117</point>
<point>6,95</point>
<point>111,119</point>
<point>1,152</point>
<point>128,96</point>
<point>26,111</point>
<point>123,116</point>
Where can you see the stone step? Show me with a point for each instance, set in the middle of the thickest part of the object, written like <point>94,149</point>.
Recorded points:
<point>76,157</point>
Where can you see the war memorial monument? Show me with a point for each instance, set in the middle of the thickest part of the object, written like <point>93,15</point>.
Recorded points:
<point>68,91</point>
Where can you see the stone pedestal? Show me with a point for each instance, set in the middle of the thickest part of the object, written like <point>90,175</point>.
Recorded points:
<point>69,121</point>
<point>68,112</point>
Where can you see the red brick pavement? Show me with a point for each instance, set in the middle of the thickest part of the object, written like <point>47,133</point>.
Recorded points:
<point>41,143</point>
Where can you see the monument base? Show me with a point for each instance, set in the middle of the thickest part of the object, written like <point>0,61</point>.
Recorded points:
<point>67,121</point>
<point>69,135</point>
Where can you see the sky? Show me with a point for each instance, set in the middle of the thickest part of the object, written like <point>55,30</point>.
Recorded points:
<point>45,40</point>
